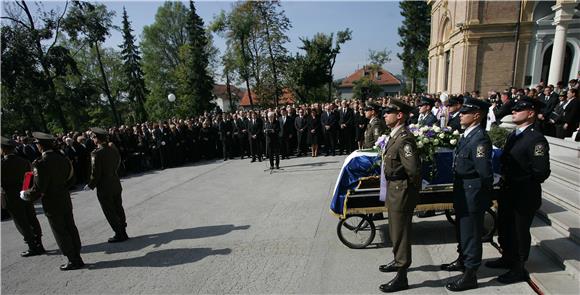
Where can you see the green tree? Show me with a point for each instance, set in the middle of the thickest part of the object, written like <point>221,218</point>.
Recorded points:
<point>237,27</point>
<point>90,24</point>
<point>31,61</point>
<point>341,38</point>
<point>366,87</point>
<point>198,84</point>
<point>415,34</point>
<point>135,84</point>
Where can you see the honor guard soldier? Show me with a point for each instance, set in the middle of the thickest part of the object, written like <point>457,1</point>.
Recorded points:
<point>525,165</point>
<point>13,169</point>
<point>402,170</point>
<point>472,187</point>
<point>105,161</point>
<point>53,175</point>
<point>376,126</point>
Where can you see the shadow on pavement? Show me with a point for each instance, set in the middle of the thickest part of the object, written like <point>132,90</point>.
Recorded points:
<point>162,258</point>
<point>313,164</point>
<point>158,239</point>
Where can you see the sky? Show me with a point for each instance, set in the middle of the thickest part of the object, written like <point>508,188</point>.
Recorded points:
<point>374,25</point>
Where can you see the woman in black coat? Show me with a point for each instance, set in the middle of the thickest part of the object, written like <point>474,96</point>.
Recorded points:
<point>360,122</point>
<point>314,131</point>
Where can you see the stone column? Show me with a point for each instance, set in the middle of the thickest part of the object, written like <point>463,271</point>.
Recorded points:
<point>564,13</point>
<point>441,70</point>
<point>538,59</point>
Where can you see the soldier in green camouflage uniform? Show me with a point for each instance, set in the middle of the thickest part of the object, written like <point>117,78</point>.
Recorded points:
<point>376,126</point>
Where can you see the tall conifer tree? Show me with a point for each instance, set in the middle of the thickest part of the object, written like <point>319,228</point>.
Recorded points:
<point>415,34</point>
<point>132,68</point>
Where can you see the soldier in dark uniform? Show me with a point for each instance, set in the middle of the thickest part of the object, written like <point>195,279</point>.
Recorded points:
<point>426,117</point>
<point>472,187</point>
<point>375,128</point>
<point>23,213</point>
<point>53,175</point>
<point>105,160</point>
<point>454,105</point>
<point>525,165</point>
<point>402,170</point>
<point>271,132</point>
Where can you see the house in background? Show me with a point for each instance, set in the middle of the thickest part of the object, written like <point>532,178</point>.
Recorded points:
<point>286,98</point>
<point>387,81</point>
<point>222,100</point>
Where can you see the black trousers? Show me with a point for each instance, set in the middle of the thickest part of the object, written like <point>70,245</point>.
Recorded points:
<point>66,234</point>
<point>330,141</point>
<point>256,148</point>
<point>346,140</point>
<point>112,206</point>
<point>301,143</point>
<point>471,227</point>
<point>514,231</point>
<point>24,216</point>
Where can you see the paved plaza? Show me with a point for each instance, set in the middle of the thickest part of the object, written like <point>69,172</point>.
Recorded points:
<point>231,227</point>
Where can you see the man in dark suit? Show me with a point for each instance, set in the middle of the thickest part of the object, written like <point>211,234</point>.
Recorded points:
<point>329,121</point>
<point>161,136</point>
<point>271,132</point>
<point>426,117</point>
<point>346,133</point>
<point>472,187</point>
<point>13,169</point>
<point>225,132</point>
<point>550,101</point>
<point>570,116</point>
<point>525,164</point>
<point>286,133</point>
<point>301,132</point>
<point>506,107</point>
<point>255,132</point>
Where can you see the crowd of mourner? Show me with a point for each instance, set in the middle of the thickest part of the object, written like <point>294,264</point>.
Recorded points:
<point>97,157</point>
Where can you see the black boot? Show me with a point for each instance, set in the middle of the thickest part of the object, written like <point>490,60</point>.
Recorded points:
<point>398,283</point>
<point>456,265</point>
<point>389,267</point>
<point>34,249</point>
<point>120,236</point>
<point>516,274</point>
<point>467,281</point>
<point>73,263</point>
<point>498,263</point>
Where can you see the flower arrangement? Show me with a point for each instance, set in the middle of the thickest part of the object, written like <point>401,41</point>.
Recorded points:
<point>431,138</point>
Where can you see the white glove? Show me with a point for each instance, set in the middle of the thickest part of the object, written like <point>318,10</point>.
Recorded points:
<point>24,196</point>
<point>86,188</point>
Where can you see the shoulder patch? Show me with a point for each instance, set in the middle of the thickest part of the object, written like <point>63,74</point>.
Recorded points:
<point>408,149</point>
<point>480,153</point>
<point>539,150</point>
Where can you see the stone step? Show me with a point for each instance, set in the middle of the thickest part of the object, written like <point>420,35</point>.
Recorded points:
<point>559,248</point>
<point>561,195</point>
<point>548,276</point>
<point>562,220</point>
<point>565,176</point>
<point>566,159</point>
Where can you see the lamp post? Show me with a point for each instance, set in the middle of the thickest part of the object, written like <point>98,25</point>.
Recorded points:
<point>171,98</point>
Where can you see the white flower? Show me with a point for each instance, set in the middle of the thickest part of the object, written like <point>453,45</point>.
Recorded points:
<point>436,129</point>
<point>425,140</point>
<point>424,129</point>
<point>412,126</point>
<point>419,144</point>
<point>453,141</point>
<point>441,135</point>
<point>436,141</point>
<point>456,132</point>
<point>416,133</point>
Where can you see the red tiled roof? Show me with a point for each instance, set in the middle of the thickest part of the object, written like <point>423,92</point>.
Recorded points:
<point>221,90</point>
<point>385,78</point>
<point>287,97</point>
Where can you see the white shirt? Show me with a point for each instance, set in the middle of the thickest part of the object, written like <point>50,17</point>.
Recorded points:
<point>521,129</point>
<point>468,130</point>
